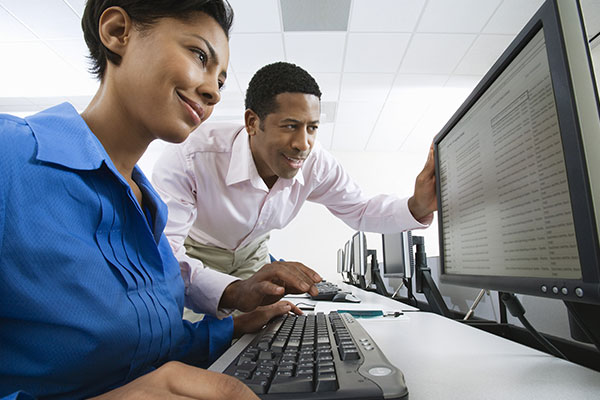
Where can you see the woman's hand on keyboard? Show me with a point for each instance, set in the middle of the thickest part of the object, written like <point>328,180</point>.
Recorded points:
<point>255,320</point>
<point>175,380</point>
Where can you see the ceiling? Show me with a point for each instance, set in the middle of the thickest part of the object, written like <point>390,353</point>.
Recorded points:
<point>392,72</point>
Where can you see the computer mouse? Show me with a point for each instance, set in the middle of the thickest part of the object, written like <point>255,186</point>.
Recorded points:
<point>346,298</point>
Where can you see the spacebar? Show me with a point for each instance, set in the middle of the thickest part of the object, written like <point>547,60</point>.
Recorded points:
<point>292,385</point>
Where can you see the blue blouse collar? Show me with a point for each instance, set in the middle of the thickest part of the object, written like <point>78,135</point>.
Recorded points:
<point>63,138</point>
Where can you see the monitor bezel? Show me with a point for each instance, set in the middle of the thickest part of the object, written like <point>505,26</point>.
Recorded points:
<point>359,268</point>
<point>348,257</point>
<point>340,261</point>
<point>586,289</point>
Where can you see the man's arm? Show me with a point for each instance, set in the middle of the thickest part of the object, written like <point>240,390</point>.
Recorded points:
<point>383,213</point>
<point>424,201</point>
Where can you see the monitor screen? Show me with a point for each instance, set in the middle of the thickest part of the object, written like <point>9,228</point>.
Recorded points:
<point>398,259</point>
<point>359,254</point>
<point>348,256</point>
<point>515,169</point>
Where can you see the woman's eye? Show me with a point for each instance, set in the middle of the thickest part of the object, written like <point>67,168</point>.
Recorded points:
<point>221,86</point>
<point>201,55</point>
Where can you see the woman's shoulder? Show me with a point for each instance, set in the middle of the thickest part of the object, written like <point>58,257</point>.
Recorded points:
<point>14,132</point>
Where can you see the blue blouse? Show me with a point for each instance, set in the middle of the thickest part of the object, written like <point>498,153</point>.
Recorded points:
<point>91,296</point>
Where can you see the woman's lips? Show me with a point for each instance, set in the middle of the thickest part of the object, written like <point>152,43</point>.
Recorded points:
<point>194,110</point>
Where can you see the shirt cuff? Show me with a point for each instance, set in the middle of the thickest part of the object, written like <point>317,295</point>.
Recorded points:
<point>204,290</point>
<point>406,215</point>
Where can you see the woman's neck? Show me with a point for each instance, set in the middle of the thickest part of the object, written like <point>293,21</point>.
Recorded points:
<point>120,135</point>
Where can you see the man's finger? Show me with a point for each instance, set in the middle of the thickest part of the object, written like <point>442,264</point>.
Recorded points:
<point>296,281</point>
<point>312,274</point>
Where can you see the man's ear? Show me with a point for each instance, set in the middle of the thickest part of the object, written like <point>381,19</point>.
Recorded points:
<point>114,28</point>
<point>252,122</point>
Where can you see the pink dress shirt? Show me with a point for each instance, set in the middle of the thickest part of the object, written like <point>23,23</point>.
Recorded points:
<point>215,195</point>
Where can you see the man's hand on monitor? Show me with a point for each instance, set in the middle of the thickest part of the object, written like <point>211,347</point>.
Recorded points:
<point>255,320</point>
<point>424,201</point>
<point>269,284</point>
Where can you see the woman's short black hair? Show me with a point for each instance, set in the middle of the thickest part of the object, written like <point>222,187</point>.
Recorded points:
<point>144,13</point>
<point>276,78</point>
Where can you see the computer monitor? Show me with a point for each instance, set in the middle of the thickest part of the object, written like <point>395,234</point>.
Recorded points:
<point>348,257</point>
<point>398,258</point>
<point>518,171</point>
<point>340,261</point>
<point>359,258</point>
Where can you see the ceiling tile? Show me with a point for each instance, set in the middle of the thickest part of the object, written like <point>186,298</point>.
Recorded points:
<point>375,52</point>
<point>73,51</point>
<point>251,51</point>
<point>325,135</point>
<point>329,85</point>
<point>435,53</point>
<point>483,54</point>
<point>354,123</point>
<point>53,20</point>
<point>385,15</point>
<point>461,16</point>
<point>361,87</point>
<point>77,5</point>
<point>232,89</point>
<point>434,119</point>
<point>416,86</point>
<point>511,16</point>
<point>11,30</point>
<point>315,15</point>
<point>29,77</point>
<point>246,20</point>
<point>395,123</point>
<point>463,82</point>
<point>316,52</point>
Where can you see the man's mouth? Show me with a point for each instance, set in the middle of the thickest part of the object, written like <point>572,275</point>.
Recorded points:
<point>294,162</point>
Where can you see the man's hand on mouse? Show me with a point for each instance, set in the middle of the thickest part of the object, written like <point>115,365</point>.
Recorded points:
<point>269,284</point>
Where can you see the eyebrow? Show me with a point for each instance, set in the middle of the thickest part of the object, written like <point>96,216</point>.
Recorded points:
<point>297,121</point>
<point>211,50</point>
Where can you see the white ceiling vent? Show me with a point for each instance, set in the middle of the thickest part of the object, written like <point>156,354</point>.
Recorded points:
<point>315,15</point>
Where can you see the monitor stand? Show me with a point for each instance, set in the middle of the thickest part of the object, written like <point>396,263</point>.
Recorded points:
<point>584,322</point>
<point>424,283</point>
<point>375,275</point>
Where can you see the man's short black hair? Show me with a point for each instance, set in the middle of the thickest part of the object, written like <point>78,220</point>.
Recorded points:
<point>274,79</point>
<point>144,13</point>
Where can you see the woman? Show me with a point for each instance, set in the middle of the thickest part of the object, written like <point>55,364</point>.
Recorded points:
<point>91,293</point>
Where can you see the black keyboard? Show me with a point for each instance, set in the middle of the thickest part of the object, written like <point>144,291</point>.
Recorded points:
<point>326,291</point>
<point>317,357</point>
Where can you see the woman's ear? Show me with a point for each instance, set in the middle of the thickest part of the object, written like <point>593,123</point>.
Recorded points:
<point>252,122</point>
<point>114,29</point>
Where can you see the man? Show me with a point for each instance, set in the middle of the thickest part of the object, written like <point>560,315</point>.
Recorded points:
<point>228,186</point>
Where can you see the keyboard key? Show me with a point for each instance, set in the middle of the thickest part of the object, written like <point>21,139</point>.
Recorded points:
<point>300,384</point>
<point>326,383</point>
<point>258,386</point>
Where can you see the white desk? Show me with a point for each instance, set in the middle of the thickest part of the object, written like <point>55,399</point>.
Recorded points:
<point>445,359</point>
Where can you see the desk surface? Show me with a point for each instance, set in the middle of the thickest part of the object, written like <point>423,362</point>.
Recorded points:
<point>445,359</point>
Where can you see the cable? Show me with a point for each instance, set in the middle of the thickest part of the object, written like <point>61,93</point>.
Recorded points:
<point>516,309</point>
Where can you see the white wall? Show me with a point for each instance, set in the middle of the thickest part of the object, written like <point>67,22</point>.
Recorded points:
<point>315,235</point>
